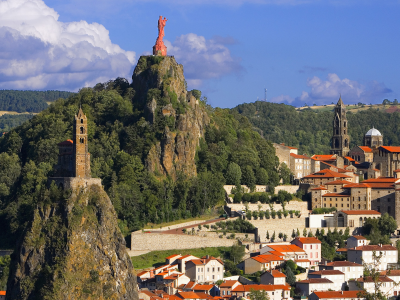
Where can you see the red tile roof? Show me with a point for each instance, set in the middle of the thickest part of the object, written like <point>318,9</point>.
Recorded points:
<point>365,149</point>
<point>193,295</point>
<point>337,295</point>
<point>277,274</point>
<point>172,256</point>
<point>286,248</point>
<point>391,273</point>
<point>326,173</point>
<point>315,280</point>
<point>360,185</point>
<point>361,212</point>
<point>344,263</point>
<point>327,272</point>
<point>258,287</point>
<point>299,156</point>
<point>2,293</point>
<point>341,250</point>
<point>266,258</point>
<point>320,188</point>
<point>142,273</point>
<point>190,285</point>
<point>323,157</point>
<point>337,182</point>
<point>335,195</point>
<point>370,279</point>
<point>203,287</point>
<point>373,248</point>
<point>308,240</point>
<point>66,143</point>
<point>148,293</point>
<point>395,149</point>
<point>228,283</point>
<point>358,237</point>
<point>349,158</point>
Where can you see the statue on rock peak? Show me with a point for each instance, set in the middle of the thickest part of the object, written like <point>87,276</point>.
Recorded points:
<point>159,48</point>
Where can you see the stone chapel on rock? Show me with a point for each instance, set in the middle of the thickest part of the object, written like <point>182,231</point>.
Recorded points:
<point>73,166</point>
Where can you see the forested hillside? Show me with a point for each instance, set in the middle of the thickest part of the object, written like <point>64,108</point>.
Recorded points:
<point>7,121</point>
<point>311,131</point>
<point>28,101</point>
<point>123,127</point>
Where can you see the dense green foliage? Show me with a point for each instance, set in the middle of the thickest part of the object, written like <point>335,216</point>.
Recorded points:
<point>28,101</point>
<point>378,231</point>
<point>311,131</point>
<point>332,240</point>
<point>4,271</point>
<point>7,122</point>
<point>120,138</point>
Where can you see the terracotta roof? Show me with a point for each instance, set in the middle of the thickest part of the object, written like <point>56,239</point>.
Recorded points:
<point>203,287</point>
<point>335,195</point>
<point>257,287</point>
<point>361,212</point>
<point>395,149</point>
<point>266,258</point>
<point>365,149</point>
<point>360,185</point>
<point>341,250</point>
<point>185,256</point>
<point>148,293</point>
<point>326,173</point>
<point>320,188</point>
<point>344,263</point>
<point>315,280</point>
<point>299,156</point>
<point>277,274</point>
<point>142,273</point>
<point>172,256</point>
<point>308,240</point>
<point>228,283</point>
<point>2,293</point>
<point>337,295</point>
<point>193,295</point>
<point>373,248</point>
<point>286,248</point>
<point>66,143</point>
<point>323,157</point>
<point>358,237</point>
<point>162,267</point>
<point>173,276</point>
<point>204,261</point>
<point>190,285</point>
<point>327,272</point>
<point>381,179</point>
<point>349,158</point>
<point>392,273</point>
<point>171,297</point>
<point>369,279</point>
<point>337,182</point>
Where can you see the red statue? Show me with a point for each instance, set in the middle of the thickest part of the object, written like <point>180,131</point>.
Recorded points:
<point>159,48</point>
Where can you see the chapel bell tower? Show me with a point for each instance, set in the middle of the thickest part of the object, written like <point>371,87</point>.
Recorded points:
<point>340,137</point>
<point>81,154</point>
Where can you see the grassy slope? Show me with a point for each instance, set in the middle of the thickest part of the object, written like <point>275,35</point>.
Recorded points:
<point>157,258</point>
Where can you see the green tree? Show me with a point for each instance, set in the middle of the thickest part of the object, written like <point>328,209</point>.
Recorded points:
<point>293,234</point>
<point>372,272</point>
<point>233,174</point>
<point>284,173</point>
<point>237,252</point>
<point>267,235</point>
<point>248,178</point>
<point>4,271</point>
<point>262,177</point>
<point>273,237</point>
<point>258,295</point>
<point>298,232</point>
<point>290,277</point>
<point>305,232</point>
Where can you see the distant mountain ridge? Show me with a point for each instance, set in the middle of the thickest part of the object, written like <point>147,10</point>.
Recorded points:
<point>29,101</point>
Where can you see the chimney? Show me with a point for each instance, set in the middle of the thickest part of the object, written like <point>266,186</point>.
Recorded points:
<point>342,292</point>
<point>325,262</point>
<point>207,256</point>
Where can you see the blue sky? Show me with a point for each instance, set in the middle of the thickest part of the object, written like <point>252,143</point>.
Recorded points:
<point>302,51</point>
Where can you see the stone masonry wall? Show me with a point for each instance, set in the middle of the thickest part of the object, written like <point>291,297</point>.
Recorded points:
<point>291,189</point>
<point>160,241</point>
<point>292,205</point>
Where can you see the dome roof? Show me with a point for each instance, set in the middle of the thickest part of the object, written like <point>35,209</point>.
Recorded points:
<point>373,132</point>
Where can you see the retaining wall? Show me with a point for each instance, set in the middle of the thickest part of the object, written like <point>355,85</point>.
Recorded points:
<point>302,206</point>
<point>162,241</point>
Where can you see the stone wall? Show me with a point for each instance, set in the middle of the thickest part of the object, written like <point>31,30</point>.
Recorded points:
<point>292,205</point>
<point>160,241</point>
<point>291,189</point>
<point>75,183</point>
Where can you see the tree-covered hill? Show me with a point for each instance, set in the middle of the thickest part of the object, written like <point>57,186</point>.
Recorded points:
<point>124,125</point>
<point>28,101</point>
<point>311,131</point>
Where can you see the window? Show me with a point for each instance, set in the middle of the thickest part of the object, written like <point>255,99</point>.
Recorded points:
<point>378,200</point>
<point>213,269</point>
<point>310,254</point>
<point>218,269</point>
<point>208,269</point>
<point>330,205</point>
<point>316,254</point>
<point>310,246</point>
<point>82,130</point>
<point>378,208</point>
<point>389,209</point>
<point>359,206</point>
<point>223,293</point>
<point>81,140</point>
<point>81,121</point>
<point>213,277</point>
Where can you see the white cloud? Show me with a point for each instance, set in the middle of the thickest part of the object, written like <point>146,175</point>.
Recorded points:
<point>39,52</point>
<point>203,58</point>
<point>328,91</point>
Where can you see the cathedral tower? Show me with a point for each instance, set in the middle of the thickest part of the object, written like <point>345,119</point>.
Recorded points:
<point>81,154</point>
<point>340,138</point>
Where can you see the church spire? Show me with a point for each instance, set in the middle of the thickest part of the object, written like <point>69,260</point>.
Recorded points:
<point>340,137</point>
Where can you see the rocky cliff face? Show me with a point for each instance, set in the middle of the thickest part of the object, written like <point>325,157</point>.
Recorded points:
<point>73,250</point>
<point>161,87</point>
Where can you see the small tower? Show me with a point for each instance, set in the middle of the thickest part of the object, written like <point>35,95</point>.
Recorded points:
<point>340,138</point>
<point>81,154</point>
<point>373,138</point>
